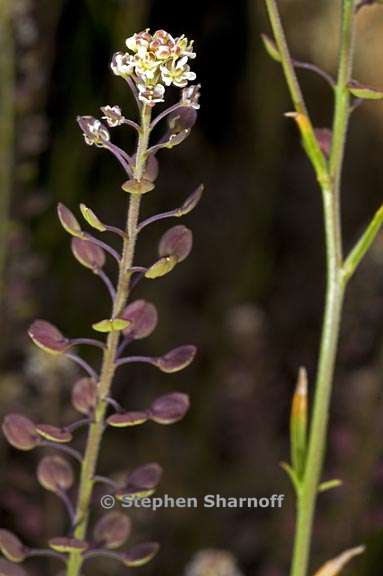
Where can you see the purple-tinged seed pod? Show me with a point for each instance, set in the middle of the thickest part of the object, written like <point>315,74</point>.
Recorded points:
<point>48,337</point>
<point>69,221</point>
<point>177,359</point>
<point>53,433</point>
<point>55,474</point>
<point>20,432</point>
<point>177,241</point>
<point>112,530</point>
<point>8,569</point>
<point>141,554</point>
<point>65,545</point>
<point>143,318</point>
<point>142,481</point>
<point>127,419</point>
<point>170,408</point>
<point>88,253</point>
<point>181,119</point>
<point>11,547</point>
<point>191,201</point>
<point>84,395</point>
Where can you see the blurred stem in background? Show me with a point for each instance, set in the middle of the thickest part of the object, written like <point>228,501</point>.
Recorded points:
<point>7,83</point>
<point>308,455</point>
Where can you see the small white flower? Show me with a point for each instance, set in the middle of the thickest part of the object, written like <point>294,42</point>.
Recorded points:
<point>178,74</point>
<point>190,96</point>
<point>146,67</point>
<point>184,48</point>
<point>151,94</point>
<point>122,64</point>
<point>94,131</point>
<point>113,115</point>
<point>139,42</point>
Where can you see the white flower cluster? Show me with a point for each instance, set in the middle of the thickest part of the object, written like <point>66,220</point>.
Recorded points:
<point>154,62</point>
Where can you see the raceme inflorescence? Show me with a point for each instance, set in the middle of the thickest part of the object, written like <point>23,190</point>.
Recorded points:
<point>150,66</point>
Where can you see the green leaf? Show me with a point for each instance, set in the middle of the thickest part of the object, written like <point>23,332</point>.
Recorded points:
<point>334,567</point>
<point>329,485</point>
<point>111,325</point>
<point>362,246</point>
<point>161,267</point>
<point>91,218</point>
<point>364,91</point>
<point>271,48</point>
<point>292,475</point>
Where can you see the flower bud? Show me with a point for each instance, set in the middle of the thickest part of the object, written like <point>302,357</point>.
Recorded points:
<point>20,432</point>
<point>170,408</point>
<point>68,221</point>
<point>143,319</point>
<point>55,474</point>
<point>141,554</point>
<point>298,423</point>
<point>11,547</point>
<point>8,569</point>
<point>177,241</point>
<point>48,337</point>
<point>84,395</point>
<point>54,434</point>
<point>62,544</point>
<point>122,420</point>
<point>176,359</point>
<point>112,530</point>
<point>88,253</point>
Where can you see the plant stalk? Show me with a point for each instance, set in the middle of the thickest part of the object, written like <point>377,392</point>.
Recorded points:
<point>96,429</point>
<point>335,288</point>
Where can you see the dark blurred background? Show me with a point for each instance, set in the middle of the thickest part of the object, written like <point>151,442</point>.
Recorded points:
<point>250,296</point>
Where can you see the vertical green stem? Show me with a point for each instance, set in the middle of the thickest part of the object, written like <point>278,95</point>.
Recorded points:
<point>7,84</point>
<point>108,366</point>
<point>329,177</point>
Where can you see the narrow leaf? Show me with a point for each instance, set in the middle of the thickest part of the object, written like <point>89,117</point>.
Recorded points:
<point>329,485</point>
<point>271,48</point>
<point>364,91</point>
<point>362,246</point>
<point>334,567</point>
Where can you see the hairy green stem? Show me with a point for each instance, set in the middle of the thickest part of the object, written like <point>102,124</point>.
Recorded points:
<point>7,85</point>
<point>96,429</point>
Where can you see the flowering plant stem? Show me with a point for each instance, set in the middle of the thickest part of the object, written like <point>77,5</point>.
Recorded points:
<point>109,358</point>
<point>328,173</point>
